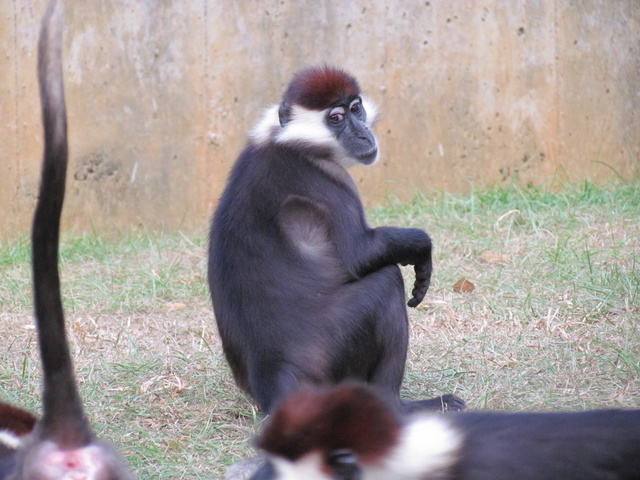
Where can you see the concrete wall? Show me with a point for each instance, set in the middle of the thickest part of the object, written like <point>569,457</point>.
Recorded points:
<point>161,93</point>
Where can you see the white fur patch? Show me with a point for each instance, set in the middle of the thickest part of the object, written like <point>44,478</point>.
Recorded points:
<point>306,126</point>
<point>372,111</point>
<point>427,445</point>
<point>266,127</point>
<point>10,439</point>
<point>308,467</point>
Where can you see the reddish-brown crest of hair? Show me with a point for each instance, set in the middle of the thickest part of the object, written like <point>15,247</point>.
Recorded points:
<point>318,88</point>
<point>16,420</point>
<point>349,416</point>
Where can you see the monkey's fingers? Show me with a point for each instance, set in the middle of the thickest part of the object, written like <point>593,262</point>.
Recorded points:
<point>421,284</point>
<point>418,293</point>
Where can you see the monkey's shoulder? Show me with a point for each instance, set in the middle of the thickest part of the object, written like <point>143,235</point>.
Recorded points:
<point>282,170</point>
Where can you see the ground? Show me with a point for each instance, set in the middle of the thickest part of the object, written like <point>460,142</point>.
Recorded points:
<point>551,322</point>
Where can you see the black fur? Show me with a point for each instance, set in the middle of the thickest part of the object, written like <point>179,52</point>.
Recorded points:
<point>592,445</point>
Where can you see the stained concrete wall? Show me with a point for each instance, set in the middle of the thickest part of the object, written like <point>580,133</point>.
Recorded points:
<point>161,93</point>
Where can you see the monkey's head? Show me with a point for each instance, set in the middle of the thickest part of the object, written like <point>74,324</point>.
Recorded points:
<point>350,432</point>
<point>324,113</point>
<point>329,433</point>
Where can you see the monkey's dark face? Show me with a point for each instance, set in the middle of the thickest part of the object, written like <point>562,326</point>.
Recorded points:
<point>347,122</point>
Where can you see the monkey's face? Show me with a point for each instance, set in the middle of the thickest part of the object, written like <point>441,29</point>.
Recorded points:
<point>348,123</point>
<point>336,465</point>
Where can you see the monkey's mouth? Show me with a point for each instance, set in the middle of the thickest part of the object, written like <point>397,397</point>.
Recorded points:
<point>368,157</point>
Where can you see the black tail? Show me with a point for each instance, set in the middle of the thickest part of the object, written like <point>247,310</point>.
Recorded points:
<point>63,418</point>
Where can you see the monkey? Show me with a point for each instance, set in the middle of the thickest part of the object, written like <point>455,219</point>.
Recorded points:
<point>15,425</point>
<point>349,432</point>
<point>62,444</point>
<point>303,289</point>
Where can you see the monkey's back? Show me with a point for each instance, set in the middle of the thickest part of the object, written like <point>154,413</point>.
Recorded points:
<point>257,279</point>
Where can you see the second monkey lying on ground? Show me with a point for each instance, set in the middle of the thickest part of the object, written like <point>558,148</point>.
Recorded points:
<point>348,432</point>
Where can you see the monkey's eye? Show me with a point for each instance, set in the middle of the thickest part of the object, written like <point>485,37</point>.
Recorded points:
<point>336,115</point>
<point>345,465</point>
<point>356,106</point>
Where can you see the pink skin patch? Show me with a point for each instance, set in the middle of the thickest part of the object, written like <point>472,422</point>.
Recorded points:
<point>86,463</point>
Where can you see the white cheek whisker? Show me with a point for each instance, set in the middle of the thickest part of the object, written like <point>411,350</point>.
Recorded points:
<point>10,439</point>
<point>371,109</point>
<point>306,126</point>
<point>267,127</point>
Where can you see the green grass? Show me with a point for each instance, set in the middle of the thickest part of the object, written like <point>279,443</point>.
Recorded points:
<point>552,322</point>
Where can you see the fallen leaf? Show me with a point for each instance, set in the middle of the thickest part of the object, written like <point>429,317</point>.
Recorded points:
<point>464,286</point>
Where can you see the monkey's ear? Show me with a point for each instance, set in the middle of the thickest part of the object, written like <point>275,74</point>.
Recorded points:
<point>284,113</point>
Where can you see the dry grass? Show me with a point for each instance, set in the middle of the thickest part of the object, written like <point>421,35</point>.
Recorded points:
<point>551,324</point>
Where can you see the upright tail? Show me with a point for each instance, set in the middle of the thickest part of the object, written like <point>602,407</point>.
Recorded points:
<point>63,417</point>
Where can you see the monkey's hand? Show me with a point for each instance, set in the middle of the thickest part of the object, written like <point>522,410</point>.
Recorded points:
<point>421,284</point>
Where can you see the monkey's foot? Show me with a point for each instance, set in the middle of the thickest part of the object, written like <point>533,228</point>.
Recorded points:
<point>443,404</point>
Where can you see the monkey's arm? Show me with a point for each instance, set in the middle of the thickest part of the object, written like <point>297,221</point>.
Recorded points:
<point>381,246</point>
<point>419,255</point>
<point>362,249</point>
